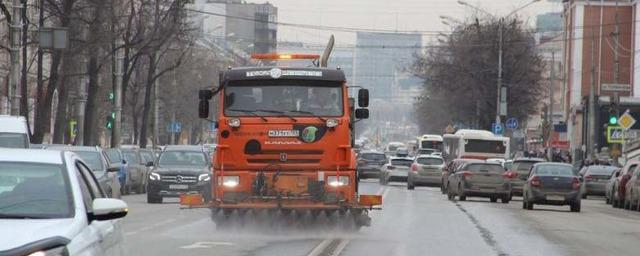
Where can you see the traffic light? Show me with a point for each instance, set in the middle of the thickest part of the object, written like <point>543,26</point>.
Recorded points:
<point>613,117</point>
<point>110,120</point>
<point>111,97</point>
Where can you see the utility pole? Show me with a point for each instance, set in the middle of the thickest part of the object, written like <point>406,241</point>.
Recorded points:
<point>499,85</point>
<point>80,102</point>
<point>592,98</point>
<point>14,88</point>
<point>40,82</point>
<point>24,111</point>
<point>616,147</point>
<point>156,108</point>
<point>117,93</point>
<point>552,78</point>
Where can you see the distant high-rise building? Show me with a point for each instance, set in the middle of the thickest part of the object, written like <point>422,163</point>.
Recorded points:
<point>549,22</point>
<point>381,59</point>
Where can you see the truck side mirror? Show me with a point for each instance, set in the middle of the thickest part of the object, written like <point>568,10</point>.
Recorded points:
<point>203,109</point>
<point>362,113</point>
<point>363,98</point>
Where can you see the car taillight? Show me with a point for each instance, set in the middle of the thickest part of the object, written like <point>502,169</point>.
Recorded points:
<point>535,181</point>
<point>390,167</point>
<point>509,175</point>
<point>467,173</point>
<point>575,184</point>
<point>588,178</point>
<point>414,168</point>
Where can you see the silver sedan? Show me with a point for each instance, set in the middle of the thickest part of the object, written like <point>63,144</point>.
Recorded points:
<point>426,170</point>
<point>480,180</point>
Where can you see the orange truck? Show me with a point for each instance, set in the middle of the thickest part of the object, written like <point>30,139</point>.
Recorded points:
<point>285,141</point>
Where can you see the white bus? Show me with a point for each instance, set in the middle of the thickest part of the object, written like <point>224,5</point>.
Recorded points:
<point>476,144</point>
<point>430,142</point>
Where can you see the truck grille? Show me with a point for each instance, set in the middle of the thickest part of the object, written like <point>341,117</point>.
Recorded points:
<point>180,178</point>
<point>292,157</point>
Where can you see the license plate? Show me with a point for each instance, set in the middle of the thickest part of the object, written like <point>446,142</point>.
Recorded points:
<point>555,198</point>
<point>178,186</point>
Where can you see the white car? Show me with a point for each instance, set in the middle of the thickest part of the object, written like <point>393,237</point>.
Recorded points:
<point>396,169</point>
<point>51,204</point>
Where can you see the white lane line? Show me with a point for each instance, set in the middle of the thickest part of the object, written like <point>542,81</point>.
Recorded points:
<point>161,223</point>
<point>343,244</point>
<point>205,245</point>
<point>320,247</point>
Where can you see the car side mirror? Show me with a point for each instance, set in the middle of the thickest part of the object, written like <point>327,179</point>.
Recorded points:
<point>617,174</point>
<point>108,209</point>
<point>113,168</point>
<point>149,164</point>
<point>363,98</point>
<point>362,113</point>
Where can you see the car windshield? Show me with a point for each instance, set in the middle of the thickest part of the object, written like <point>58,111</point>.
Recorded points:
<point>401,162</point>
<point>92,159</point>
<point>429,161</point>
<point>13,140</point>
<point>283,98</point>
<point>373,156</point>
<point>601,170</point>
<point>490,168</point>
<point>190,158</point>
<point>32,190</point>
<point>130,157</point>
<point>554,170</point>
<point>435,145</point>
<point>114,156</point>
<point>522,166</point>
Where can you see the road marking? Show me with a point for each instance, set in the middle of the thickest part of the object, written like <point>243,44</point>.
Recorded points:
<point>161,223</point>
<point>386,192</point>
<point>205,245</point>
<point>330,247</point>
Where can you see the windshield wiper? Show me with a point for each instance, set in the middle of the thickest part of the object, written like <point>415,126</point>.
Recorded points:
<point>250,112</point>
<point>282,113</point>
<point>309,113</point>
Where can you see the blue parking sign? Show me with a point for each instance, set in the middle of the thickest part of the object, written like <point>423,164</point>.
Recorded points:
<point>497,128</point>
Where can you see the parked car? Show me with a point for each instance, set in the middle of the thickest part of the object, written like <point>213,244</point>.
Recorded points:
<point>136,170</point>
<point>608,188</point>
<point>425,171</point>
<point>480,179</point>
<point>618,191</point>
<point>508,164</point>
<point>449,169</point>
<point>369,163</point>
<point>522,166</point>
<point>99,163</point>
<point>552,184</point>
<point>594,179</point>
<point>179,170</point>
<point>14,132</point>
<point>396,169</point>
<point>72,215</point>
<point>632,197</point>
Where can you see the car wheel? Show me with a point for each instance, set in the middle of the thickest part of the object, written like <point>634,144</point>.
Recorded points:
<point>608,201</point>
<point>442,190</point>
<point>505,199</point>
<point>524,204</point>
<point>529,204</point>
<point>626,205</point>
<point>638,205</point>
<point>410,186</point>
<point>450,195</point>
<point>575,206</point>
<point>584,196</point>
<point>493,199</point>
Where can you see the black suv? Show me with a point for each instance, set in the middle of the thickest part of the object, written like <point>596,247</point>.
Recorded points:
<point>180,170</point>
<point>369,164</point>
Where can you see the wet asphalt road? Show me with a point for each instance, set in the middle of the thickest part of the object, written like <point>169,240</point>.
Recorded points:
<point>419,222</point>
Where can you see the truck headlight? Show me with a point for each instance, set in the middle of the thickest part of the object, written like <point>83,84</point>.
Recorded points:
<point>332,123</point>
<point>154,176</point>
<point>234,122</point>
<point>334,181</point>
<point>204,177</point>
<point>230,181</point>
<point>56,251</point>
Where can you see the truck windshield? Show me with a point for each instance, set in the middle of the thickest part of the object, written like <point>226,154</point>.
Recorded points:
<point>13,140</point>
<point>282,97</point>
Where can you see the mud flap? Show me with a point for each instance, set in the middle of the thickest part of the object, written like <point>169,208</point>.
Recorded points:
<point>370,200</point>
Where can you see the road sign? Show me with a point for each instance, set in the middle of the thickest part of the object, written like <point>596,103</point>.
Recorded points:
<point>73,128</point>
<point>615,134</point>
<point>497,128</point>
<point>615,88</point>
<point>512,123</point>
<point>175,127</point>
<point>626,121</point>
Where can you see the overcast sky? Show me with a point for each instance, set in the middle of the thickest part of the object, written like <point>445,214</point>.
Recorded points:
<point>423,15</point>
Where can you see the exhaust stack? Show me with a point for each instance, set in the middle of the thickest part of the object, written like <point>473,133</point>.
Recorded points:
<point>324,61</point>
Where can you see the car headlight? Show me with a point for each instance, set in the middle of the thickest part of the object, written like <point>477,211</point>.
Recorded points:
<point>230,181</point>
<point>57,251</point>
<point>154,176</point>
<point>204,177</point>
<point>335,182</point>
<point>332,123</point>
<point>234,122</point>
